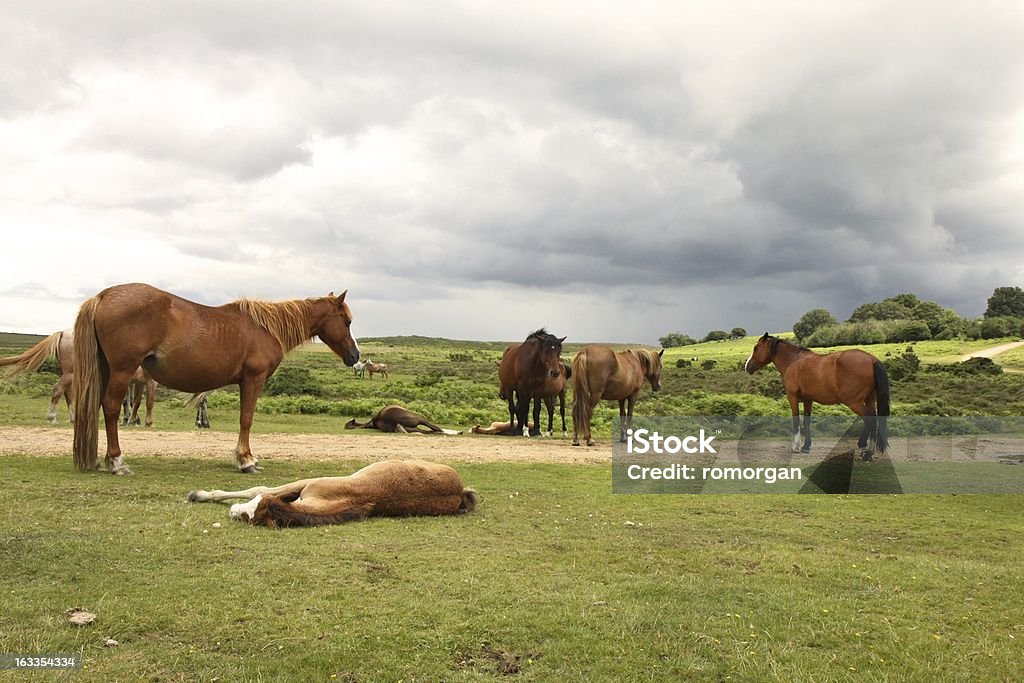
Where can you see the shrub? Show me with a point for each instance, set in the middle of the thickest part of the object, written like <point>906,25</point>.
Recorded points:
<point>293,381</point>
<point>909,330</point>
<point>684,363</point>
<point>716,335</point>
<point>708,364</point>
<point>676,339</point>
<point>460,357</point>
<point>1001,326</point>
<point>902,367</point>
<point>811,321</point>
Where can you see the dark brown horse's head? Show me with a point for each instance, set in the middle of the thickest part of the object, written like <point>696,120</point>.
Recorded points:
<point>651,363</point>
<point>335,329</point>
<point>549,352</point>
<point>764,351</point>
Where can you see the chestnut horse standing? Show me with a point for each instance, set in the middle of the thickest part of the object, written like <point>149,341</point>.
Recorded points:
<point>853,377</point>
<point>189,347</point>
<point>61,346</point>
<point>600,373</point>
<point>525,372</point>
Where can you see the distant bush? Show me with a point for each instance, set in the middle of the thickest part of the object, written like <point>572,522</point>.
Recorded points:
<point>676,339</point>
<point>869,332</point>
<point>902,367</point>
<point>909,330</point>
<point>428,380</point>
<point>737,333</point>
<point>716,335</point>
<point>1001,326</point>
<point>971,366</point>
<point>293,381</point>
<point>708,364</point>
<point>460,357</point>
<point>684,363</point>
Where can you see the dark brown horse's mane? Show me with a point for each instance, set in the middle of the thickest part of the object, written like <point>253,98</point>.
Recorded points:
<point>541,335</point>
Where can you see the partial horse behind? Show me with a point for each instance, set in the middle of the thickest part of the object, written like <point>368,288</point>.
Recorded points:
<point>189,347</point>
<point>396,488</point>
<point>598,373</point>
<point>853,377</point>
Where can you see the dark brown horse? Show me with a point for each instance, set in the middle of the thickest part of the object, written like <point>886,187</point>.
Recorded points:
<point>523,374</point>
<point>854,378</point>
<point>189,347</point>
<point>396,488</point>
<point>555,388</point>
<point>399,419</point>
<point>600,373</point>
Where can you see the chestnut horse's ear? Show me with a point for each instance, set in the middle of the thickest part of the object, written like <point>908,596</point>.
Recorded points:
<point>341,298</point>
<point>661,353</point>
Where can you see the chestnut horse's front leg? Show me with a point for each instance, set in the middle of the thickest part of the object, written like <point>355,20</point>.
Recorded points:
<point>794,407</point>
<point>250,388</point>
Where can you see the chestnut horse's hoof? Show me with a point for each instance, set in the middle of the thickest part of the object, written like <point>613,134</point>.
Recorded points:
<point>590,442</point>
<point>248,469</point>
<point>805,449</point>
<point>121,471</point>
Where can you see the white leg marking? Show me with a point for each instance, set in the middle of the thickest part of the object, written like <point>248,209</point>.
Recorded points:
<point>796,442</point>
<point>249,508</point>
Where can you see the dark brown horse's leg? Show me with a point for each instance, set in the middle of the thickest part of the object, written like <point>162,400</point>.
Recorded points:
<point>513,413</point>
<point>136,404</point>
<point>561,410</point>
<point>807,425</point>
<point>549,403</point>
<point>250,389</point>
<point>536,416</point>
<point>113,396</point>
<point>630,402</point>
<point>622,420</point>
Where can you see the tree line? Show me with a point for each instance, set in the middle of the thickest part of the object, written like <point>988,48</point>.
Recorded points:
<point>900,318</point>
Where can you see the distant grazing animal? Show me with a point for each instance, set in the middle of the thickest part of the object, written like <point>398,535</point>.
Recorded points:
<point>380,368</point>
<point>357,368</point>
<point>189,347</point>
<point>496,428</point>
<point>600,373</point>
<point>399,419</point>
<point>395,488</point>
<point>527,370</point>
<point>61,346</point>
<point>854,378</point>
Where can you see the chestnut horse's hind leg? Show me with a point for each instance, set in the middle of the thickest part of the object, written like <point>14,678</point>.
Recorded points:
<point>245,511</point>
<point>117,386</point>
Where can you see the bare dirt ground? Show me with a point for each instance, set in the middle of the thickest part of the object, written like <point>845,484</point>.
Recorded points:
<point>992,351</point>
<point>56,441</point>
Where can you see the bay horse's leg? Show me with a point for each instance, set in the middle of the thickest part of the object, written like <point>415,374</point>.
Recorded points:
<point>549,403</point>
<point>867,412</point>
<point>630,402</point>
<point>536,431</point>
<point>523,413</point>
<point>794,406</point>
<point>561,409</point>
<point>622,420</point>
<point>136,391</point>
<point>113,397</point>
<point>150,400</point>
<point>250,388</point>
<point>807,425</point>
<point>512,411</point>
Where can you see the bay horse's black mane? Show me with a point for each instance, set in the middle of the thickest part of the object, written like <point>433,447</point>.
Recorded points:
<point>541,335</point>
<point>773,346</point>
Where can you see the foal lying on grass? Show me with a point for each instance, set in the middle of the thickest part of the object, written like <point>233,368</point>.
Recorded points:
<point>396,488</point>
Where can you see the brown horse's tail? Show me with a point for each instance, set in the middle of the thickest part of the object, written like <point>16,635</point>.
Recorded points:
<point>88,386</point>
<point>468,503</point>
<point>882,397</point>
<point>30,360</point>
<point>580,393</point>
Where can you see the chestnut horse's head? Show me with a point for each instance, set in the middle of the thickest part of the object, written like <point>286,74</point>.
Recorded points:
<point>335,329</point>
<point>763,353</point>
<point>651,363</point>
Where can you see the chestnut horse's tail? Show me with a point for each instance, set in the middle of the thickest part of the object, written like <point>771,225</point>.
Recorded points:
<point>580,393</point>
<point>89,365</point>
<point>30,360</point>
<point>882,396</point>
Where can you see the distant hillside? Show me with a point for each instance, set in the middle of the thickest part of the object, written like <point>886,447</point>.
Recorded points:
<point>13,342</point>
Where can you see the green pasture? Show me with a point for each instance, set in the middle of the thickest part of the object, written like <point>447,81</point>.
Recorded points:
<point>553,578</point>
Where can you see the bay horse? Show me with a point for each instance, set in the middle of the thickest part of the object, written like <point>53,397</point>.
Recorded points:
<point>854,378</point>
<point>598,373</point>
<point>398,419</point>
<point>189,347</point>
<point>60,345</point>
<point>555,388</point>
<point>395,488</point>
<point>524,373</point>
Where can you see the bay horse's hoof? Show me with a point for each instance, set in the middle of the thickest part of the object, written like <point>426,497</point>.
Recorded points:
<point>590,442</point>
<point>575,442</point>
<point>868,456</point>
<point>121,471</point>
<point>805,449</point>
<point>248,469</point>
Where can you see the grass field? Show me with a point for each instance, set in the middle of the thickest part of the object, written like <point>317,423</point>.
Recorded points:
<point>553,578</point>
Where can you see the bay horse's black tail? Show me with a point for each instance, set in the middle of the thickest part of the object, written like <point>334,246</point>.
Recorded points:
<point>882,396</point>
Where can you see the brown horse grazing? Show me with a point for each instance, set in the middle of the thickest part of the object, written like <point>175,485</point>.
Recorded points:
<point>853,377</point>
<point>600,373</point>
<point>398,419</point>
<point>380,368</point>
<point>189,347</point>
<point>396,488</point>
<point>61,346</point>
<point>524,373</point>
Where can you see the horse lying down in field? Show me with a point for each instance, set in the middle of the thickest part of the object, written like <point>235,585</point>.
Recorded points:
<point>396,488</point>
<point>496,428</point>
<point>399,419</point>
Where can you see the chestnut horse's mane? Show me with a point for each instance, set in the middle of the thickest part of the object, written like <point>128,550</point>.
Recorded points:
<point>287,321</point>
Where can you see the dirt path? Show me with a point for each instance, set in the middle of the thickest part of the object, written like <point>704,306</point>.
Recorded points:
<point>992,351</point>
<point>56,441</point>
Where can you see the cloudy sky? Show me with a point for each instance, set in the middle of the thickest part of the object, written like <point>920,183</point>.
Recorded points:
<point>614,171</point>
